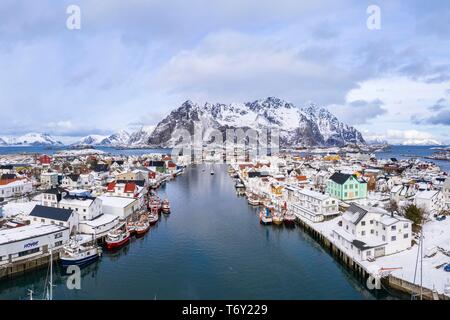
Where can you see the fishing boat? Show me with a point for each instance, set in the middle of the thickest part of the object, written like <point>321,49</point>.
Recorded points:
<point>165,206</point>
<point>253,200</point>
<point>74,253</point>
<point>277,218</point>
<point>239,184</point>
<point>289,219</point>
<point>131,227</point>
<point>154,203</point>
<point>153,218</point>
<point>265,216</point>
<point>142,228</point>
<point>117,238</point>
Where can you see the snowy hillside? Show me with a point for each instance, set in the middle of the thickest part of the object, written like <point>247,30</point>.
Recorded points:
<point>31,139</point>
<point>306,126</point>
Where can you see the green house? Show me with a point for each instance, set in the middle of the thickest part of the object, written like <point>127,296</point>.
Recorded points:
<point>346,187</point>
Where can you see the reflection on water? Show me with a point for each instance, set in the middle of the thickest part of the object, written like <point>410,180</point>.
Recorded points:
<point>210,247</point>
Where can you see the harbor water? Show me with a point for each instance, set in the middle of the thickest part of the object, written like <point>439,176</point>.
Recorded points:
<point>211,247</point>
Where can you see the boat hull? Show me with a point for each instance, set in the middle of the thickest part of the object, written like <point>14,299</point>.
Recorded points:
<point>79,262</point>
<point>118,244</point>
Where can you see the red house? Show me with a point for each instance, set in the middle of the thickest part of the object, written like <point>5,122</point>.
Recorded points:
<point>45,159</point>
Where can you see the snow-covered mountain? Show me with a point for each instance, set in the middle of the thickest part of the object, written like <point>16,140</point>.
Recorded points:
<point>141,136</point>
<point>117,139</point>
<point>120,138</point>
<point>308,126</point>
<point>31,139</point>
<point>422,142</point>
<point>92,139</point>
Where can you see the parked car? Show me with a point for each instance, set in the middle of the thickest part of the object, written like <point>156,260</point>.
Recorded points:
<point>440,218</point>
<point>447,267</point>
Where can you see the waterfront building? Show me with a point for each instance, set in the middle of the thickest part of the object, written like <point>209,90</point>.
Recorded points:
<point>312,205</point>
<point>31,241</point>
<point>86,207</point>
<point>53,216</point>
<point>369,232</point>
<point>346,187</point>
<point>119,206</point>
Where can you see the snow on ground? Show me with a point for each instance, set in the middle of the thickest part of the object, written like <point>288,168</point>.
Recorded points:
<point>12,209</point>
<point>435,234</point>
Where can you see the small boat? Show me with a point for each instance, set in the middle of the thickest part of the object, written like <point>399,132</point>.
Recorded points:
<point>277,218</point>
<point>153,218</point>
<point>142,228</point>
<point>154,203</point>
<point>117,238</point>
<point>289,219</point>
<point>265,217</point>
<point>79,255</point>
<point>212,172</point>
<point>131,227</point>
<point>253,200</point>
<point>165,206</point>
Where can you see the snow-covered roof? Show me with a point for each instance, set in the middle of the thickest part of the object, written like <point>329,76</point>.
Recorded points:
<point>26,232</point>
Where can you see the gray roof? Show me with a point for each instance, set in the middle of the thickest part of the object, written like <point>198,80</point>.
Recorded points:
<point>51,213</point>
<point>340,178</point>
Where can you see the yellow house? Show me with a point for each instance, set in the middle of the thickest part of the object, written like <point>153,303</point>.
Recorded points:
<point>277,190</point>
<point>332,157</point>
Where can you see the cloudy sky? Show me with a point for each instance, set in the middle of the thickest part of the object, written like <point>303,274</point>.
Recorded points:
<point>133,61</point>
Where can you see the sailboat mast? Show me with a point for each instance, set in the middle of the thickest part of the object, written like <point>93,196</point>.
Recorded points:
<point>51,276</point>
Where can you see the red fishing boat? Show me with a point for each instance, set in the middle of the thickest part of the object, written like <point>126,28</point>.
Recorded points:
<point>154,203</point>
<point>117,238</point>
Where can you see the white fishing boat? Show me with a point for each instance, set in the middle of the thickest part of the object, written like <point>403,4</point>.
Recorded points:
<point>75,253</point>
<point>253,200</point>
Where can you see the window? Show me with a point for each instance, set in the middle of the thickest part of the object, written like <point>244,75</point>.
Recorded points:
<point>363,233</point>
<point>393,238</point>
<point>394,228</point>
<point>58,235</point>
<point>58,243</point>
<point>43,220</point>
<point>383,238</point>
<point>363,223</point>
<point>405,236</point>
<point>371,221</point>
<point>27,252</point>
<point>405,226</point>
<point>372,231</point>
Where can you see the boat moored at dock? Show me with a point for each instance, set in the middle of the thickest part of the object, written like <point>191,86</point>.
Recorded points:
<point>265,217</point>
<point>80,255</point>
<point>165,206</point>
<point>117,238</point>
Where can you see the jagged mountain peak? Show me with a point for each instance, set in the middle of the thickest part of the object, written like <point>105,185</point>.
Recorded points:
<point>310,125</point>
